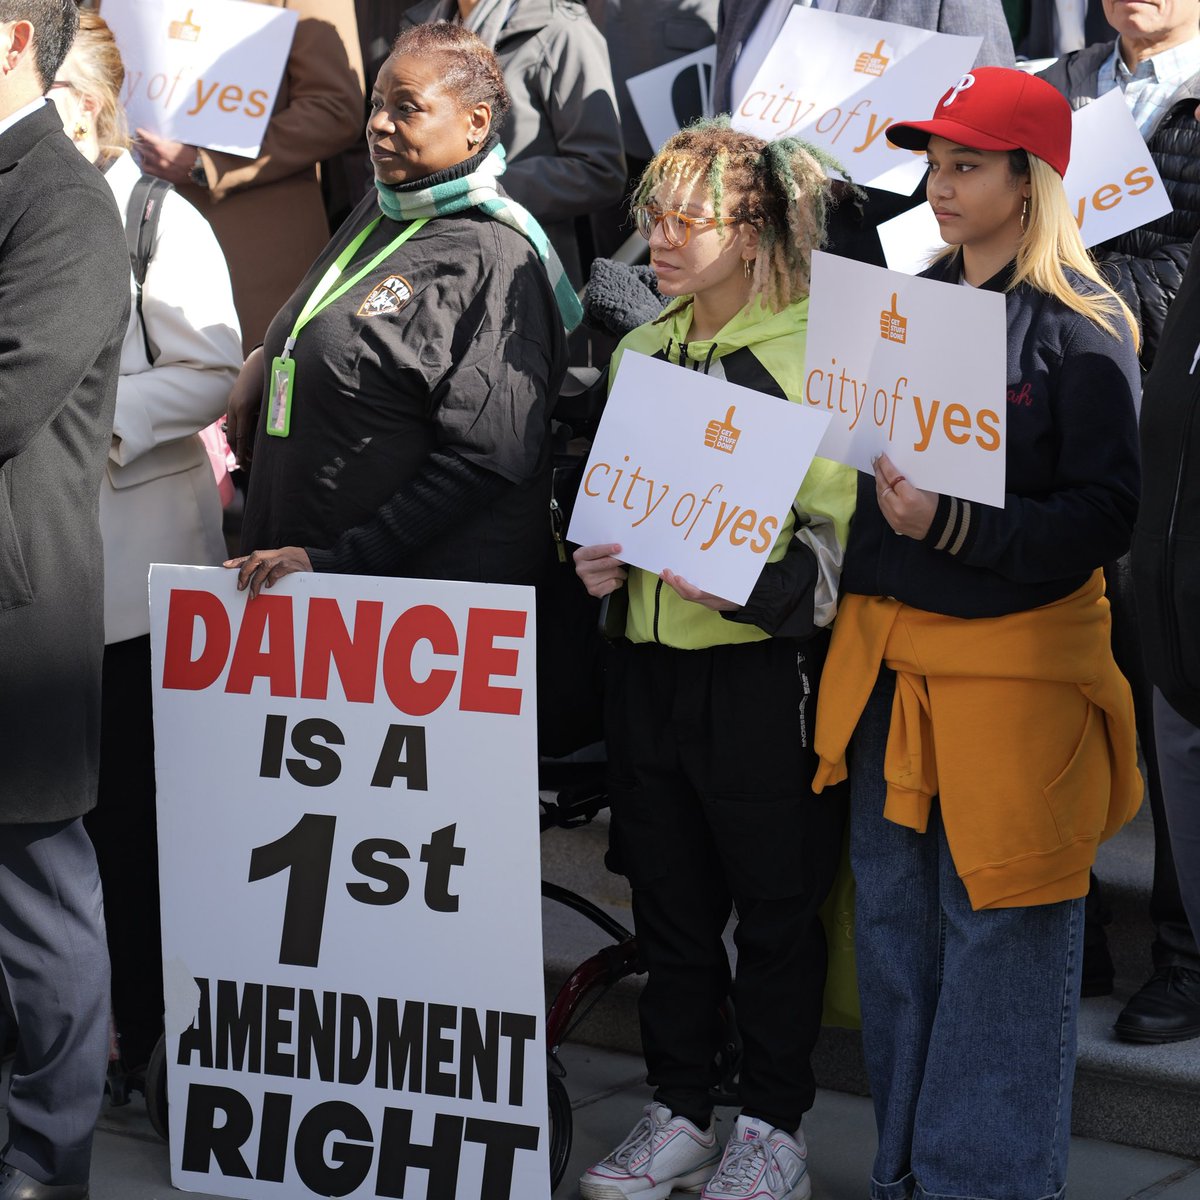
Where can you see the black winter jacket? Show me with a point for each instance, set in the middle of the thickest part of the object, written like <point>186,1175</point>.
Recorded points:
<point>1166,540</point>
<point>1146,265</point>
<point>1071,481</point>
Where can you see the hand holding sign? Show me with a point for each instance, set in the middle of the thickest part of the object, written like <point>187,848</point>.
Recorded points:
<point>598,568</point>
<point>907,509</point>
<point>694,595</point>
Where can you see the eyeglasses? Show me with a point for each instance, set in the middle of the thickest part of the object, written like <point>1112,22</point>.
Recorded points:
<point>676,226</point>
<point>59,83</point>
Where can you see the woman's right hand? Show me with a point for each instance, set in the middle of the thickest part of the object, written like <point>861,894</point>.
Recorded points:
<point>599,569</point>
<point>245,399</point>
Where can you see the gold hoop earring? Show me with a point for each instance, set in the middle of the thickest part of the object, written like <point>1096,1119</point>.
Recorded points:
<point>748,267</point>
<point>1025,213</point>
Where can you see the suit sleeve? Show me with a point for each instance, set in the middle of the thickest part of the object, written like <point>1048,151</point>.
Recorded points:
<point>575,89</point>
<point>980,18</point>
<point>323,112</point>
<point>193,329</point>
<point>61,310</point>
<point>1087,517</point>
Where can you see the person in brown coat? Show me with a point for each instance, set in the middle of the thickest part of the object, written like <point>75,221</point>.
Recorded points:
<point>267,212</point>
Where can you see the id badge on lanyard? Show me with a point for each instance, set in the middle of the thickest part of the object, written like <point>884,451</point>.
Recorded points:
<point>281,382</point>
<point>279,398</point>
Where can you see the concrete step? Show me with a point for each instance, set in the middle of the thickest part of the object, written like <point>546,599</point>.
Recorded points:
<point>1145,1096</point>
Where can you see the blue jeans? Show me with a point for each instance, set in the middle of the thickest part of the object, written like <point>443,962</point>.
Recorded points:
<point>968,1017</point>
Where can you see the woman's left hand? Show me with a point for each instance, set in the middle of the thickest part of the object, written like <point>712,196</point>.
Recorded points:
<point>688,591</point>
<point>169,160</point>
<point>265,568</point>
<point>907,509</point>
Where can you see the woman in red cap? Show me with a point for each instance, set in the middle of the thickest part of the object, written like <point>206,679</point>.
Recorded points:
<point>971,679</point>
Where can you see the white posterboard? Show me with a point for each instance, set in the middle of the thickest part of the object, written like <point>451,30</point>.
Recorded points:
<point>348,846</point>
<point>839,81</point>
<point>673,95</point>
<point>202,72</point>
<point>1111,183</point>
<point>912,368</point>
<point>693,474</point>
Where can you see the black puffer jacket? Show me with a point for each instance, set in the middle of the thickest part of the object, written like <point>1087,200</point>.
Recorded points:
<point>1166,540</point>
<point>1146,265</point>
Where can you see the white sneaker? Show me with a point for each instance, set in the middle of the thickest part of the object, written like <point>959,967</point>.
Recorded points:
<point>761,1163</point>
<point>662,1154</point>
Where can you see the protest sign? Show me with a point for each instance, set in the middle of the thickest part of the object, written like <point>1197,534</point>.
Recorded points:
<point>1112,185</point>
<point>202,72</point>
<point>1112,182</point>
<point>348,845</point>
<point>839,81</point>
<point>669,97</point>
<point>913,368</point>
<point>694,474</point>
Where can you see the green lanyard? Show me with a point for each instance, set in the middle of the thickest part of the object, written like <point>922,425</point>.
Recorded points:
<point>283,368</point>
<point>321,298</point>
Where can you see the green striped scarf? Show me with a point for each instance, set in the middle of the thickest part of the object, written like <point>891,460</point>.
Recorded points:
<point>478,190</point>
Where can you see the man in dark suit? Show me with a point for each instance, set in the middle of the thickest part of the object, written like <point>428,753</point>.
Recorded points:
<point>64,300</point>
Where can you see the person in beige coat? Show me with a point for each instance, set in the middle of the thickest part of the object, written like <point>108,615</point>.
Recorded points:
<point>267,212</point>
<point>158,503</point>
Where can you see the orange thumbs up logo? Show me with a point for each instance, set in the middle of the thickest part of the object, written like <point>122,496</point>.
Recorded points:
<point>872,62</point>
<point>892,326</point>
<point>184,31</point>
<point>721,435</point>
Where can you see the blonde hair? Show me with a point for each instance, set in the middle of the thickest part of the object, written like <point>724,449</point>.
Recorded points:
<point>1051,245</point>
<point>94,69</point>
<point>779,188</point>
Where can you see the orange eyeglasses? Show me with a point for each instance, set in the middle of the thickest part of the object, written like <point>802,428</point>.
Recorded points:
<point>677,227</point>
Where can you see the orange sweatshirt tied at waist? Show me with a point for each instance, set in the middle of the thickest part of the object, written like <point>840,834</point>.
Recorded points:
<point>1022,828</point>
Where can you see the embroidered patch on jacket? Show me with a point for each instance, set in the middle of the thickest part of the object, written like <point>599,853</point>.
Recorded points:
<point>390,296</point>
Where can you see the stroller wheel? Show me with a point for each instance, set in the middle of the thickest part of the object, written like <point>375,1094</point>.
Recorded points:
<point>560,1128</point>
<point>156,1089</point>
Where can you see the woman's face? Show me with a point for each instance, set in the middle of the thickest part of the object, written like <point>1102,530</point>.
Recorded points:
<point>418,126</point>
<point>714,256</point>
<point>975,197</point>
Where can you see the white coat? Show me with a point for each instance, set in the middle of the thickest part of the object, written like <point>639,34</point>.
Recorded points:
<point>158,498</point>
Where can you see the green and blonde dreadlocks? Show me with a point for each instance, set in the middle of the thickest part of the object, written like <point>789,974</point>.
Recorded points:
<point>779,187</point>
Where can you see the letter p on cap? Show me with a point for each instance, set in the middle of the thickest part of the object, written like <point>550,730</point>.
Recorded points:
<point>892,326</point>
<point>721,435</point>
<point>967,81</point>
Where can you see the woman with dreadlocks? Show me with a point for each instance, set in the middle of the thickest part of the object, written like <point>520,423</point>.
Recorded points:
<point>709,704</point>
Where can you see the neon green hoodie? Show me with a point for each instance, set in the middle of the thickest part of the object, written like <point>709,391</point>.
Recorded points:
<point>754,341</point>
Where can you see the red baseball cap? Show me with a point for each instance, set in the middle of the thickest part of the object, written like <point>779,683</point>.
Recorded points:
<point>997,108</point>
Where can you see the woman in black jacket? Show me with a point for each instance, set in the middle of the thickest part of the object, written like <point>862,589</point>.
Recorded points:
<point>406,387</point>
